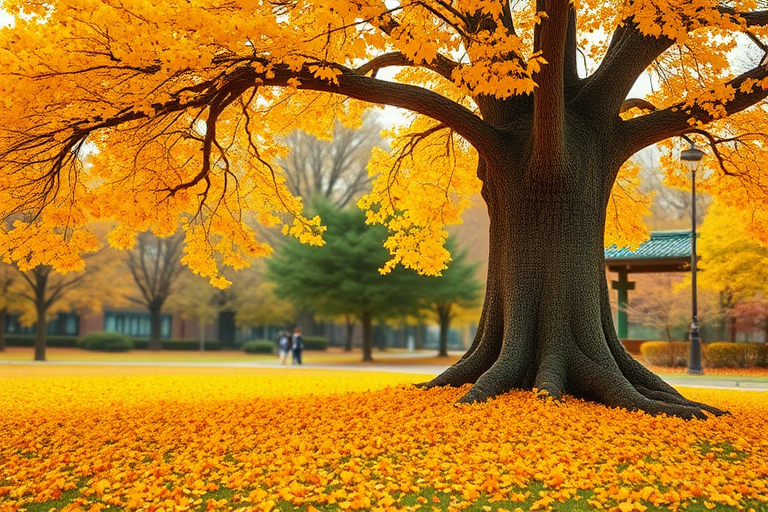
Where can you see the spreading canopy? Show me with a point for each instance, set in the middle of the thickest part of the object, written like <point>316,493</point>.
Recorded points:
<point>157,115</point>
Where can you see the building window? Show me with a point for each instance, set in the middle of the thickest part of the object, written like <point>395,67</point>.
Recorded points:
<point>135,324</point>
<point>65,324</point>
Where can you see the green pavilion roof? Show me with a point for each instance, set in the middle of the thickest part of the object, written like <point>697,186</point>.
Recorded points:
<point>665,251</point>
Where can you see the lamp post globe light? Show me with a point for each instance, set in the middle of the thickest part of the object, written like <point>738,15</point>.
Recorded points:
<point>691,157</point>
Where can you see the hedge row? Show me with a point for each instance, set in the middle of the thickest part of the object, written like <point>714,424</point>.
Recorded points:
<point>143,344</point>
<point>106,341</point>
<point>716,355</point>
<point>57,341</point>
<point>741,355</point>
<point>27,340</point>
<point>315,343</point>
<point>259,347</point>
<point>52,340</point>
<point>665,353</point>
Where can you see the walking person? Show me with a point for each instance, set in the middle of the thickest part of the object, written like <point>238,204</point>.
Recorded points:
<point>297,346</point>
<point>284,346</point>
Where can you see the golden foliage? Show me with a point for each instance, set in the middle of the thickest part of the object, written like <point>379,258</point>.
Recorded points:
<point>627,209</point>
<point>132,120</point>
<point>735,262</point>
<point>174,439</point>
<point>416,198</point>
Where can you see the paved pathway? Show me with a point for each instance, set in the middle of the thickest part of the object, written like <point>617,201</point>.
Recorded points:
<point>716,382</point>
<point>722,382</point>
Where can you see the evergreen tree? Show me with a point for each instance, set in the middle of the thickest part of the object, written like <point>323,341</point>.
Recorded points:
<point>342,278</point>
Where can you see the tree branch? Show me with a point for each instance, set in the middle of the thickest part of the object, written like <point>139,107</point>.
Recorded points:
<point>628,56</point>
<point>137,275</point>
<point>752,19</point>
<point>571,51</point>
<point>28,280</point>
<point>442,65</point>
<point>218,105</point>
<point>63,141</point>
<point>60,289</point>
<point>135,300</point>
<point>506,17</point>
<point>645,130</point>
<point>417,99</point>
<point>630,53</point>
<point>640,103</point>
<point>549,99</point>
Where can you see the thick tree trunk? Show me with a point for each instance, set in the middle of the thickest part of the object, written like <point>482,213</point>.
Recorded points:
<point>732,328</point>
<point>40,333</point>
<point>155,326</point>
<point>3,315</point>
<point>367,322</point>
<point>765,330</point>
<point>350,331</point>
<point>444,317</point>
<point>305,320</point>
<point>671,360</point>
<point>546,323</point>
<point>379,334</point>
<point>420,336</point>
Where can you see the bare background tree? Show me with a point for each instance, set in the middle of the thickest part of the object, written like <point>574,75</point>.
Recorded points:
<point>661,302</point>
<point>49,292</point>
<point>155,264</point>
<point>671,207</point>
<point>45,289</point>
<point>335,169</point>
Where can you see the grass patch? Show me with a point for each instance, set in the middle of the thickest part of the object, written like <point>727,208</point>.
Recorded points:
<point>722,451</point>
<point>223,493</point>
<point>295,437</point>
<point>66,498</point>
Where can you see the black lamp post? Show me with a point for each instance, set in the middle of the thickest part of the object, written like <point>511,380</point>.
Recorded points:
<point>691,158</point>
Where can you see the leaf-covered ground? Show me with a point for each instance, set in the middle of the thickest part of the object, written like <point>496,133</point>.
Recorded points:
<point>162,439</point>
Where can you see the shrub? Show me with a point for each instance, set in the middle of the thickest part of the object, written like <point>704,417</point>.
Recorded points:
<point>315,343</point>
<point>665,353</point>
<point>763,351</point>
<point>143,344</point>
<point>106,341</point>
<point>259,347</point>
<point>733,355</point>
<point>51,340</point>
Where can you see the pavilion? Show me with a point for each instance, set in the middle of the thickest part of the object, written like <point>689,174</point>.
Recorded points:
<point>665,251</point>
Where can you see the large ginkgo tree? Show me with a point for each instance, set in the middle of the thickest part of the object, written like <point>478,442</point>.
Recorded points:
<point>160,114</point>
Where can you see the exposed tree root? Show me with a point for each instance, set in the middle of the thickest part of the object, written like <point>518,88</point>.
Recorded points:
<point>586,361</point>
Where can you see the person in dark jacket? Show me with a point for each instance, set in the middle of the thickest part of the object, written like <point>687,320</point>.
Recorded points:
<point>297,345</point>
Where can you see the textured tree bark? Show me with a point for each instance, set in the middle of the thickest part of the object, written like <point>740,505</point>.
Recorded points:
<point>444,316</point>
<point>350,330</point>
<point>731,328</point>
<point>40,285</point>
<point>3,315</point>
<point>367,321</point>
<point>546,323</point>
<point>40,333</point>
<point>765,330</point>
<point>155,326</point>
